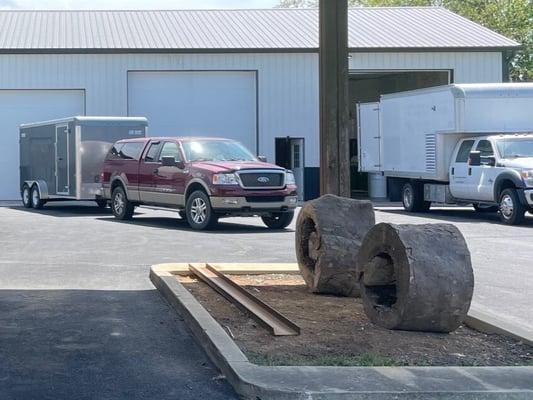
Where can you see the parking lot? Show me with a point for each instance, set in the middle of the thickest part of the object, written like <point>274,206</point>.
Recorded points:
<point>80,317</point>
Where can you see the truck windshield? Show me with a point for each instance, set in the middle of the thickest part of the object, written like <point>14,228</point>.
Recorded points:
<point>515,147</point>
<point>216,150</point>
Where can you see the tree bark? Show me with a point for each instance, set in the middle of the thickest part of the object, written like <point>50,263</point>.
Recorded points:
<point>415,277</point>
<point>329,232</point>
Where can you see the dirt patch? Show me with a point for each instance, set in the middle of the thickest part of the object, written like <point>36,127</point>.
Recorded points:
<point>336,331</point>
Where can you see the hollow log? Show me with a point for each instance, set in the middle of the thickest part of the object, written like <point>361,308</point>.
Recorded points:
<point>329,232</point>
<point>415,277</point>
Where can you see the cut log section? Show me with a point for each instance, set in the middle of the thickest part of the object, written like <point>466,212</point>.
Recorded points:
<point>329,232</point>
<point>415,277</point>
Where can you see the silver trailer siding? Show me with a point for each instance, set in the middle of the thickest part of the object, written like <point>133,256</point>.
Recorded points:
<point>62,159</point>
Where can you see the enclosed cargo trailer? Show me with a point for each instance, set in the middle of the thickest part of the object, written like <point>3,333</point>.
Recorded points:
<point>62,159</point>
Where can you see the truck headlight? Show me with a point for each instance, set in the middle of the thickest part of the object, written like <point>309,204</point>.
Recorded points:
<point>289,178</point>
<point>225,179</point>
<point>527,176</point>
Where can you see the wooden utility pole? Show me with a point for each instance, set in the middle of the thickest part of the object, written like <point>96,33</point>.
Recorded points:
<point>334,108</point>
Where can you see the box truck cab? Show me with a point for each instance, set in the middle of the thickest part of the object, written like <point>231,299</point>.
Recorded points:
<point>454,144</point>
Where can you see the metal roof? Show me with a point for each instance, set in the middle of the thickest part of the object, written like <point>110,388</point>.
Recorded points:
<point>277,29</point>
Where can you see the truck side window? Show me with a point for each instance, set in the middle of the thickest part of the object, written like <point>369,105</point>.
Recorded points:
<point>485,148</point>
<point>464,151</point>
<point>114,153</point>
<point>131,150</point>
<point>170,149</point>
<point>152,152</point>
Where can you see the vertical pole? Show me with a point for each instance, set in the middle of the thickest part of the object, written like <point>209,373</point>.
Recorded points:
<point>334,109</point>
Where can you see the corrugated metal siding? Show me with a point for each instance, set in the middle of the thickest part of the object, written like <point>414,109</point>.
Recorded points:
<point>287,85</point>
<point>369,28</point>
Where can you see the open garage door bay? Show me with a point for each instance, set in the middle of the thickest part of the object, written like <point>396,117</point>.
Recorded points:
<point>26,106</point>
<point>196,103</point>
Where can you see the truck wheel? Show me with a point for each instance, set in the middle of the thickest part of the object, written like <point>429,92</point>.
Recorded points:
<point>120,206</point>
<point>413,198</point>
<point>26,196</point>
<point>36,200</point>
<point>278,220</point>
<point>200,215</point>
<point>511,210</point>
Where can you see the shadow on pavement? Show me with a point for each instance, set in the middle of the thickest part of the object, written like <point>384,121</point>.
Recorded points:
<point>79,344</point>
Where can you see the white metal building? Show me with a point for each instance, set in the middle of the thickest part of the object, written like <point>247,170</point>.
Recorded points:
<point>247,74</point>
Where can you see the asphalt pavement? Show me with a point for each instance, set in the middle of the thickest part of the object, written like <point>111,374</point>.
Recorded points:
<point>79,317</point>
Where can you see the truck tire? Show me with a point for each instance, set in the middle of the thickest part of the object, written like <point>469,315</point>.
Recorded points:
<point>413,197</point>
<point>511,210</point>
<point>26,196</point>
<point>278,220</point>
<point>36,201</point>
<point>121,207</point>
<point>200,215</point>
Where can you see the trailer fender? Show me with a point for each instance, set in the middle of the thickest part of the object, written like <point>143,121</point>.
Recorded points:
<point>41,186</point>
<point>509,179</point>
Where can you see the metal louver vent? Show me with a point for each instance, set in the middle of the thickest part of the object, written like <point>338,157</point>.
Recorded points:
<point>431,152</point>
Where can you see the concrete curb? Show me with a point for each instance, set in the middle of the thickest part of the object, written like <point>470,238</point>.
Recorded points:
<point>381,383</point>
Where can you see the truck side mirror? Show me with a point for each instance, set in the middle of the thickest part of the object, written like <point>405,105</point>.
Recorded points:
<point>474,158</point>
<point>169,161</point>
<point>262,158</point>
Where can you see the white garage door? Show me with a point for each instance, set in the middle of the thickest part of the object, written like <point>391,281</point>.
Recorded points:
<point>25,106</point>
<point>189,103</point>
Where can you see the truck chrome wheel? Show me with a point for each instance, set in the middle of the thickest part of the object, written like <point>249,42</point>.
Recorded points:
<point>511,210</point>
<point>199,213</point>
<point>120,206</point>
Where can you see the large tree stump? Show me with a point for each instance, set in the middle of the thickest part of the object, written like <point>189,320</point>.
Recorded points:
<point>415,277</point>
<point>329,231</point>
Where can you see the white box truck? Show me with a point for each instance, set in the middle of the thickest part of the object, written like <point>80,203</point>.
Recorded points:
<point>62,159</point>
<point>454,144</point>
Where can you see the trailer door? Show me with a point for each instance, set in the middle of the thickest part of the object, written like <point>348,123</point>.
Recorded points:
<point>368,137</point>
<point>62,159</point>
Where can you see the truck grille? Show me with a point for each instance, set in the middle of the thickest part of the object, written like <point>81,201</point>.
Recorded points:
<point>257,179</point>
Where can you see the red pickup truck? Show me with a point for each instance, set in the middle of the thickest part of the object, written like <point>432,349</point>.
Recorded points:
<point>204,179</point>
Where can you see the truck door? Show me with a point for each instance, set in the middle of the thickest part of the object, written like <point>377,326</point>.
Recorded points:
<point>460,170</point>
<point>368,137</point>
<point>62,160</point>
<point>480,181</point>
<point>168,182</point>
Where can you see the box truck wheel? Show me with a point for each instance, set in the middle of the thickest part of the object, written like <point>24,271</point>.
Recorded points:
<point>26,196</point>
<point>511,210</point>
<point>120,206</point>
<point>413,197</point>
<point>36,200</point>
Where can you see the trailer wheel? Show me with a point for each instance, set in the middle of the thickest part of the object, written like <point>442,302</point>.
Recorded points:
<point>278,220</point>
<point>26,196</point>
<point>120,206</point>
<point>511,210</point>
<point>36,200</point>
<point>200,215</point>
<point>413,197</point>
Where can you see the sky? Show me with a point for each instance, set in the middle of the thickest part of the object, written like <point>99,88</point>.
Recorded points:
<point>132,4</point>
